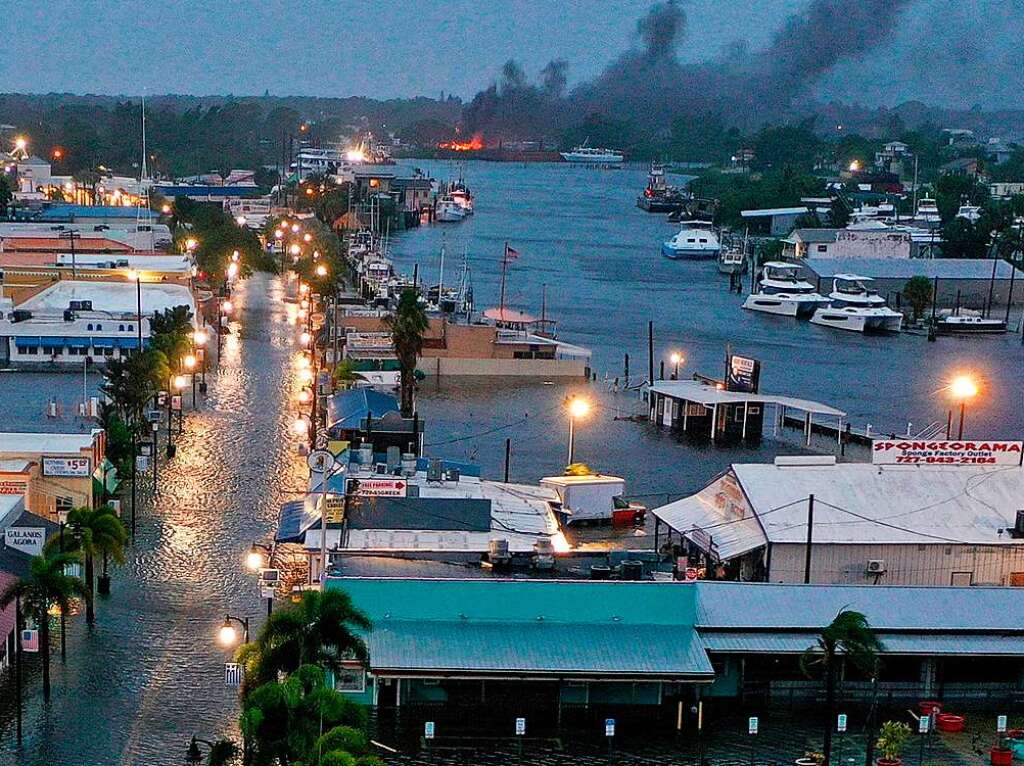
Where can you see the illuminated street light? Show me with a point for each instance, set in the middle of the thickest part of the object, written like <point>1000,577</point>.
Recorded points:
<point>676,358</point>
<point>961,388</point>
<point>228,636</point>
<point>854,166</point>
<point>278,234</point>
<point>296,228</point>
<point>199,337</point>
<point>254,559</point>
<point>179,382</point>
<point>306,375</point>
<point>303,397</point>
<point>305,338</point>
<point>165,209</point>
<point>303,288</point>
<point>577,408</point>
<point>300,426</point>
<point>295,248</point>
<point>321,270</point>
<point>189,361</point>
<point>241,220</point>
<point>232,270</point>
<point>191,244</point>
<point>235,256</point>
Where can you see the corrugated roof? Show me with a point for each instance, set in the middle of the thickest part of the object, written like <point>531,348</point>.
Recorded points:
<point>540,647</point>
<point>884,504</point>
<point>115,297</point>
<point>772,211</point>
<point>777,606</point>
<point>892,643</point>
<point>905,268</point>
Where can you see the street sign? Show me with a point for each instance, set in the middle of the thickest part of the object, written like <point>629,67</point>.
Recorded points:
<point>269,579</point>
<point>176,403</point>
<point>428,730</point>
<point>378,487</point>
<point>161,400</point>
<point>922,724</point>
<point>141,462</point>
<point>233,674</point>
<point>752,725</point>
<point>153,416</point>
<point>609,727</point>
<point>1001,724</point>
<point>320,461</point>
<point>334,508</point>
<point>28,540</point>
<point>146,448</point>
<point>841,723</point>
<point>520,727</point>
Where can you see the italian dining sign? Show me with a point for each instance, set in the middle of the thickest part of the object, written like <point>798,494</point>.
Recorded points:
<point>959,452</point>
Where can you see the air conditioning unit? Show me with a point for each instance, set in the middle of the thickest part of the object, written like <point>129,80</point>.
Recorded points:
<point>876,566</point>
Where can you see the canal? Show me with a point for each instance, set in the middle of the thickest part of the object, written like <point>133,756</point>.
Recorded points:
<point>150,673</point>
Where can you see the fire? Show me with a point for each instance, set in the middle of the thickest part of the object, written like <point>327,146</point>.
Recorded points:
<point>474,144</point>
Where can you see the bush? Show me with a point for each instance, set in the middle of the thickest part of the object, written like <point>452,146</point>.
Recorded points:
<point>344,738</point>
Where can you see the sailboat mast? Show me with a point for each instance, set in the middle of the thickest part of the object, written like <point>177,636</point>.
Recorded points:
<point>543,303</point>
<point>440,277</point>
<point>504,268</point>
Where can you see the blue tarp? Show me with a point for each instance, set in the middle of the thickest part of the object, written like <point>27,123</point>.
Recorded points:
<point>348,409</point>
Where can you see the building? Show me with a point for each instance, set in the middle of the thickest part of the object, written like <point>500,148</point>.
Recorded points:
<point>220,194</point>
<point>365,416</point>
<point>963,166</point>
<point>53,473</point>
<point>773,221</point>
<point>144,236</point>
<point>109,215</point>
<point>869,523</point>
<point>958,281</point>
<point>857,241</point>
<point>473,655</point>
<point>1005,189</point>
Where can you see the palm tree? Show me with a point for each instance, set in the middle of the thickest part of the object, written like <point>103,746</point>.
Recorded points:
<point>848,637</point>
<point>46,584</point>
<point>318,630</point>
<point>407,326</point>
<point>93,532</point>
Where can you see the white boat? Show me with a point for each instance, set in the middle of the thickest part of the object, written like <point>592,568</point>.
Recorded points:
<point>783,292</point>
<point>592,155</point>
<point>967,322</point>
<point>449,210</point>
<point>969,213</point>
<point>855,308</point>
<point>927,213</point>
<point>696,241</point>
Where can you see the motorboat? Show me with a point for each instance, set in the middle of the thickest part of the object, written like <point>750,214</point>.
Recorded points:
<point>969,213</point>
<point>733,259</point>
<point>696,241</point>
<point>856,308</point>
<point>965,322</point>
<point>658,196</point>
<point>927,213</point>
<point>782,291</point>
<point>449,210</point>
<point>592,155</point>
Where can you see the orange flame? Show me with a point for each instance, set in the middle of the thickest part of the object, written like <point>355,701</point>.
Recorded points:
<point>474,144</point>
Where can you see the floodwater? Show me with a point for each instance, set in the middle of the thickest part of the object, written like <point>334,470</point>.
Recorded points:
<point>150,675</point>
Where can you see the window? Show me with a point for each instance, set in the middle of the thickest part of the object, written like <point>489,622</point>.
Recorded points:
<point>120,328</point>
<point>99,327</point>
<point>30,350</point>
<point>822,248</point>
<point>703,241</point>
<point>63,505</point>
<point>351,680</point>
<point>961,578</point>
<point>131,327</point>
<point>89,326</point>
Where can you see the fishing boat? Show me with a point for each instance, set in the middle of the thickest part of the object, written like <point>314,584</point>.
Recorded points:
<point>733,260</point>
<point>855,308</point>
<point>696,241</point>
<point>782,291</point>
<point>449,210</point>
<point>658,196</point>
<point>592,155</point>
<point>462,195</point>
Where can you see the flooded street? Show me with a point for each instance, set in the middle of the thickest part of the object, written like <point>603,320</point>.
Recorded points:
<point>150,674</point>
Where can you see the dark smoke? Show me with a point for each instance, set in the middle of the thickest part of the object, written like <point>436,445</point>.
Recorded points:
<point>649,85</point>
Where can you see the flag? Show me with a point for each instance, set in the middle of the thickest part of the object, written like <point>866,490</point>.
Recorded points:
<point>510,254</point>
<point>233,674</point>
<point>30,640</point>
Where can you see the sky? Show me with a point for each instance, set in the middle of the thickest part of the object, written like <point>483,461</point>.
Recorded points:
<point>945,51</point>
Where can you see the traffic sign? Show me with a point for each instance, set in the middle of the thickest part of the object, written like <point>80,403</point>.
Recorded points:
<point>841,723</point>
<point>176,403</point>
<point>428,730</point>
<point>520,727</point>
<point>609,727</point>
<point>320,461</point>
<point>1001,724</point>
<point>752,725</point>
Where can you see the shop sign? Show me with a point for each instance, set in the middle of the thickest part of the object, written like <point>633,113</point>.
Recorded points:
<point>953,452</point>
<point>28,540</point>
<point>67,466</point>
<point>11,487</point>
<point>744,374</point>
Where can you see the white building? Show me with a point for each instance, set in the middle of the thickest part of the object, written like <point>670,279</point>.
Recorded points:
<point>863,240</point>
<point>869,523</point>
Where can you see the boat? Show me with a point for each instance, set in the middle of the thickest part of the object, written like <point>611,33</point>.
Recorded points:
<point>855,308</point>
<point>927,213</point>
<point>966,322</point>
<point>658,196</point>
<point>969,213</point>
<point>733,260</point>
<point>592,155</point>
<point>783,292</point>
<point>462,195</point>
<point>696,241</point>
<point>449,210</point>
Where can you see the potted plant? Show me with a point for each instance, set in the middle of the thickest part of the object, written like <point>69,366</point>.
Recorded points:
<point>811,758</point>
<point>1001,754</point>
<point>892,738</point>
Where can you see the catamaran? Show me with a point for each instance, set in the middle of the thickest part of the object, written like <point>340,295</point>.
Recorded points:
<point>856,308</point>
<point>783,292</point>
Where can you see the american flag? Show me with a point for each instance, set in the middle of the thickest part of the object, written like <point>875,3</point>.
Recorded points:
<point>510,254</point>
<point>30,640</point>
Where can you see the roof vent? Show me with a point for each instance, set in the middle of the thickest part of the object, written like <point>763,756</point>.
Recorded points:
<point>801,460</point>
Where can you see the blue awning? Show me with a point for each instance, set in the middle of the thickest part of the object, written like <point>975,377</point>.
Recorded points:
<point>77,342</point>
<point>128,342</point>
<point>295,519</point>
<point>27,341</point>
<point>51,342</point>
<point>103,343</point>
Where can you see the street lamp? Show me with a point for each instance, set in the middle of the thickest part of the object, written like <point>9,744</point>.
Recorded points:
<point>321,270</point>
<point>295,248</point>
<point>300,426</point>
<point>307,237</point>
<point>961,388</point>
<point>199,340</point>
<point>228,636</point>
<point>305,338</point>
<point>577,408</point>
<point>676,358</point>
<point>235,256</point>
<point>303,396</point>
<point>191,244</point>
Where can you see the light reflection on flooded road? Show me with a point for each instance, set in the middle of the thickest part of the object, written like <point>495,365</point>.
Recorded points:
<point>150,674</point>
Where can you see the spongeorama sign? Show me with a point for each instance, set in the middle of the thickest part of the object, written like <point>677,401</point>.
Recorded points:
<point>959,452</point>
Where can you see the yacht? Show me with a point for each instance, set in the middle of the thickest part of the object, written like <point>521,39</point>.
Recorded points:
<point>463,197</point>
<point>967,322</point>
<point>658,196</point>
<point>969,213</point>
<point>449,210</point>
<point>696,241</point>
<point>856,308</point>
<point>783,292</point>
<point>927,213</point>
<point>591,155</point>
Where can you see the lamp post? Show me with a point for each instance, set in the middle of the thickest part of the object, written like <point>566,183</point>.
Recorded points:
<point>199,338</point>
<point>676,358</point>
<point>577,407</point>
<point>962,388</point>
<point>228,635</point>
<point>190,365</point>
<point>257,558</point>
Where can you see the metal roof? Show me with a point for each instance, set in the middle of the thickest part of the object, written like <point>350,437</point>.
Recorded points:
<point>467,647</point>
<point>93,211</point>
<point>348,409</point>
<point>48,443</point>
<point>865,503</point>
<point>296,517</point>
<point>773,211</point>
<point>905,268</point>
<point>892,643</point>
<point>115,297</point>
<point>695,391</point>
<point>778,606</point>
<point>811,236</point>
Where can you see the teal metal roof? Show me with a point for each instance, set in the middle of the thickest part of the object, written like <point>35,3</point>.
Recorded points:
<point>927,644</point>
<point>537,648</point>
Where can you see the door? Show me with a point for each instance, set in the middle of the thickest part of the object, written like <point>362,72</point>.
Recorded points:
<point>961,578</point>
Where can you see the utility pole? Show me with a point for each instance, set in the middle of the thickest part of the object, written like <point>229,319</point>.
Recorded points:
<point>810,539</point>
<point>650,352</point>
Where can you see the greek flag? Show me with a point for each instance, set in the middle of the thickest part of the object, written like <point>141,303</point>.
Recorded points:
<point>233,673</point>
